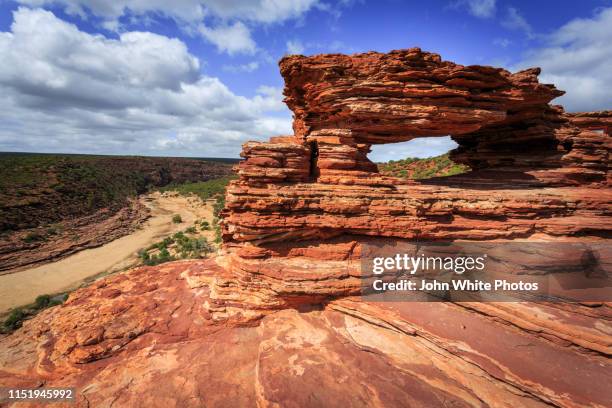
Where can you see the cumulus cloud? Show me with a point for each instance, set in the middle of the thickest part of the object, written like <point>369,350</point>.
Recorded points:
<point>502,42</point>
<point>187,10</point>
<point>233,39</point>
<point>67,90</point>
<point>477,8</point>
<point>295,47</point>
<point>248,67</point>
<point>221,22</point>
<point>576,58</point>
<point>263,11</point>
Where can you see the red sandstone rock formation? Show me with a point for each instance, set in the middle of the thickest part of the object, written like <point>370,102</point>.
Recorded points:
<point>275,320</point>
<point>538,173</point>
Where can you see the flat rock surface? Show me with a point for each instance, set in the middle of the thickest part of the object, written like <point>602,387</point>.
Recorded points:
<point>145,338</point>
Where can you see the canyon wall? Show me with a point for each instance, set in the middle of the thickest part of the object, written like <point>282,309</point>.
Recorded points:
<point>54,205</point>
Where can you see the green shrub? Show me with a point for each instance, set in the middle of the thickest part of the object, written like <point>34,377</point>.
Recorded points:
<point>17,316</point>
<point>151,261</point>
<point>455,169</point>
<point>166,242</point>
<point>42,301</point>
<point>15,319</point>
<point>144,255</point>
<point>204,189</point>
<point>218,236</point>
<point>55,302</point>
<point>415,168</point>
<point>33,237</point>
<point>190,230</point>
<point>176,218</point>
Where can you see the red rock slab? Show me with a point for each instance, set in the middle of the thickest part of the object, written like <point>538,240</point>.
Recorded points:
<point>553,373</point>
<point>347,351</point>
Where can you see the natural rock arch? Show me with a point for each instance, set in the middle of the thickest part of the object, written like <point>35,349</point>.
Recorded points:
<point>343,104</point>
<point>297,231</point>
<point>347,103</point>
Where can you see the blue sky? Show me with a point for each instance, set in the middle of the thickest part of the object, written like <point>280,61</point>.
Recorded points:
<point>200,77</point>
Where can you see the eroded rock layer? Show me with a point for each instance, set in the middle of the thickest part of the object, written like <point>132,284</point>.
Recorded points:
<point>537,173</point>
<point>382,98</point>
<point>295,226</point>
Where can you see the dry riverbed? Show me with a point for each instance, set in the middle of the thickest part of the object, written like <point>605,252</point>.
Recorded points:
<point>21,287</point>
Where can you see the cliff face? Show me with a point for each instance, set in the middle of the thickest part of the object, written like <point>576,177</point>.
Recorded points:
<point>54,205</point>
<point>307,203</point>
<point>275,319</point>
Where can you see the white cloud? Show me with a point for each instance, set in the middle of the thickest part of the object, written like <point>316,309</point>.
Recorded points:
<point>262,11</point>
<point>477,8</point>
<point>224,23</point>
<point>513,20</point>
<point>295,47</point>
<point>482,8</point>
<point>248,67</point>
<point>67,90</point>
<point>187,10</point>
<point>502,42</point>
<point>577,59</point>
<point>233,39</point>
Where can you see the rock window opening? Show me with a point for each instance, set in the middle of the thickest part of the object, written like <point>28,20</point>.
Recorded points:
<point>419,158</point>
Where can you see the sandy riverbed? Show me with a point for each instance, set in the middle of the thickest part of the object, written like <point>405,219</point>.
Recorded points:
<point>22,287</point>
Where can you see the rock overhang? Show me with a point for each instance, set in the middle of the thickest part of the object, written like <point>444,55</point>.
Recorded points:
<point>384,98</point>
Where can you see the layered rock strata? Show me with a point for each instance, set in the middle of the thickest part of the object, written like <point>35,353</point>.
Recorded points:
<point>76,235</point>
<point>143,338</point>
<point>537,173</point>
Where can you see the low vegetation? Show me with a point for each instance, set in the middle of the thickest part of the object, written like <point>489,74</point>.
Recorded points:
<point>17,316</point>
<point>217,207</point>
<point>178,246</point>
<point>40,190</point>
<point>205,190</point>
<point>415,168</point>
<point>189,243</point>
